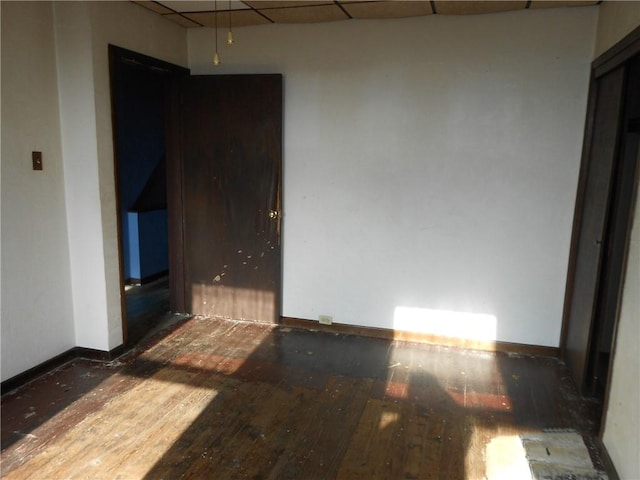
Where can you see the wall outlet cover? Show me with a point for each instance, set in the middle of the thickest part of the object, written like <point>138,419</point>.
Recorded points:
<point>36,159</point>
<point>325,319</point>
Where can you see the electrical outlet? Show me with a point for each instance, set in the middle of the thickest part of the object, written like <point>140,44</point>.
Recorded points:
<point>325,319</point>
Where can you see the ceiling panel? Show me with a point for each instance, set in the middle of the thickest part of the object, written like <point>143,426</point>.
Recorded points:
<point>260,4</point>
<point>154,7</point>
<point>397,9</point>
<point>239,18</point>
<point>559,3</point>
<point>203,6</point>
<point>181,20</point>
<point>476,8</point>
<point>313,14</point>
<point>189,13</point>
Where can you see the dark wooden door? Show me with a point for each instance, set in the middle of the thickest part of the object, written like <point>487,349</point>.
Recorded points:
<point>229,182</point>
<point>593,203</point>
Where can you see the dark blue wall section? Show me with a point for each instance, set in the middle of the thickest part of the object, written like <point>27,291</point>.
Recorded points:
<point>152,228</point>
<point>147,243</point>
<point>140,149</point>
<point>132,247</point>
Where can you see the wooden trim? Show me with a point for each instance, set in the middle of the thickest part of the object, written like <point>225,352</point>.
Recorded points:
<point>578,211</point>
<point>389,334</point>
<point>118,57</point>
<point>175,216</point>
<point>622,51</point>
<point>607,463</point>
<point>99,355</point>
<point>615,57</point>
<point>70,355</point>
<point>623,273</point>
<point>114,60</point>
<point>28,375</point>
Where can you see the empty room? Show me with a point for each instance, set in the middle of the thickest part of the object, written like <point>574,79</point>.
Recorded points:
<point>320,239</point>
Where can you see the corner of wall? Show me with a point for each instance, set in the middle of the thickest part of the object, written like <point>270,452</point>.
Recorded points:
<point>37,313</point>
<point>83,199</point>
<point>615,20</point>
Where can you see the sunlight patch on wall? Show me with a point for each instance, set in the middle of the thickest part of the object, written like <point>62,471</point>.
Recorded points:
<point>473,326</point>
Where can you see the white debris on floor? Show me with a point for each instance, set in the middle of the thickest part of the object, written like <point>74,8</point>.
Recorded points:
<point>548,455</point>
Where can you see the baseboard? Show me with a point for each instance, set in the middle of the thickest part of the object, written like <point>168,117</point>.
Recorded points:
<point>101,355</point>
<point>74,353</point>
<point>389,334</point>
<point>373,332</point>
<point>608,465</point>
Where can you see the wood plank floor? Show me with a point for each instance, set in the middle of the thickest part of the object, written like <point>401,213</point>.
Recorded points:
<point>145,305</point>
<point>215,399</point>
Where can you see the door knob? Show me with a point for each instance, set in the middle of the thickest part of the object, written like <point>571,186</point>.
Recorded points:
<point>273,214</point>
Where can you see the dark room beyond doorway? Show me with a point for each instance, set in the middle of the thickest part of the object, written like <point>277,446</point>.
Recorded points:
<point>138,107</point>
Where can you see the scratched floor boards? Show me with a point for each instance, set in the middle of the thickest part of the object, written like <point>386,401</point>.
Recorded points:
<point>216,399</point>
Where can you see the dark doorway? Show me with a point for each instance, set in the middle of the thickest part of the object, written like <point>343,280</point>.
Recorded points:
<point>225,151</point>
<point>139,101</point>
<point>616,235</point>
<point>603,218</point>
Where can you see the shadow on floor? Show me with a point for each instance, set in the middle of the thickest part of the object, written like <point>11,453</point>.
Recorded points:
<point>146,306</point>
<point>244,400</point>
<point>24,409</point>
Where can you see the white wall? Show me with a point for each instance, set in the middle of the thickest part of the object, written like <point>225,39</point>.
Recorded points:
<point>615,20</point>
<point>622,428</point>
<point>78,118</point>
<point>429,163</point>
<point>59,241</point>
<point>37,316</point>
<point>84,31</point>
<point>135,28</point>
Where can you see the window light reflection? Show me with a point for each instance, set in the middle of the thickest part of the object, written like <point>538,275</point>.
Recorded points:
<point>472,326</point>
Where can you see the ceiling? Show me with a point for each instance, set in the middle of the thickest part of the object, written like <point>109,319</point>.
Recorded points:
<point>193,14</point>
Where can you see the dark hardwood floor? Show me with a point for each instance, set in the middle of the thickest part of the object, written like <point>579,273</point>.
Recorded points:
<point>216,399</point>
<point>146,305</point>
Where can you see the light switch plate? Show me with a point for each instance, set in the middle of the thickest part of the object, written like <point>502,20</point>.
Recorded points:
<point>36,157</point>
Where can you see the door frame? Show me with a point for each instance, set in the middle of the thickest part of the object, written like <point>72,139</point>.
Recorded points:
<point>175,219</point>
<point>118,57</point>
<point>615,57</point>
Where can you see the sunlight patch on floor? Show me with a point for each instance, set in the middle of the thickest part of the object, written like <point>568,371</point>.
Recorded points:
<point>130,434</point>
<point>387,419</point>
<point>540,455</point>
<point>506,459</point>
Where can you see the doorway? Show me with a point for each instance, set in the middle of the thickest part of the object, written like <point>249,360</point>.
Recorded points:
<point>603,217</point>
<point>616,235</point>
<point>138,90</point>
<point>201,156</point>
